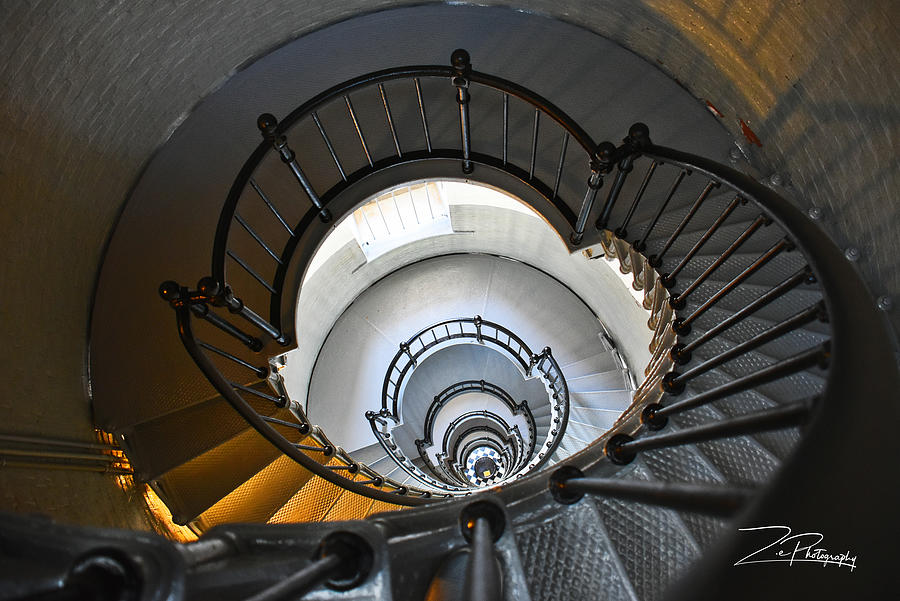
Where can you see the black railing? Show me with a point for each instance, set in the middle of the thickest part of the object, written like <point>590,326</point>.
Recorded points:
<point>468,330</point>
<point>466,386</point>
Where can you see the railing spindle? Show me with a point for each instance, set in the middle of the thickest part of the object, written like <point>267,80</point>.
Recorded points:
<point>262,372</point>
<point>534,142</point>
<point>681,299</point>
<point>642,243</point>
<point>568,485</point>
<point>390,119</point>
<point>681,353</point>
<point>334,157</point>
<point>656,260</point>
<point>267,124</point>
<point>462,68</point>
<point>622,230</point>
<point>788,325</point>
<point>621,448</point>
<point>272,208</point>
<point>683,326</point>
<point>203,311</point>
<point>253,233</point>
<point>422,114</point>
<point>359,132</point>
<point>668,279</point>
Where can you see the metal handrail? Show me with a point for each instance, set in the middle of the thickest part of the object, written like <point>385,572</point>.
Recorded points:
<point>454,390</point>
<point>445,333</point>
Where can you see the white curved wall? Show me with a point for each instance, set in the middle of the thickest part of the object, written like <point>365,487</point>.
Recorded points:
<point>477,229</point>
<point>348,375</point>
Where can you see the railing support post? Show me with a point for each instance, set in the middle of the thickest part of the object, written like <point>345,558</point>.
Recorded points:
<point>462,68</point>
<point>268,125</point>
<point>482,524</point>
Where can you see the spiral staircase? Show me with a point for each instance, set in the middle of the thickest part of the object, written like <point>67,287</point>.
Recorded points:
<point>763,350</point>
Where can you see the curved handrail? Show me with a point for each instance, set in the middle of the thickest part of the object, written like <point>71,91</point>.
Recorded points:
<point>454,390</point>
<point>507,432</point>
<point>476,329</point>
<point>274,133</point>
<point>470,328</point>
<point>183,302</point>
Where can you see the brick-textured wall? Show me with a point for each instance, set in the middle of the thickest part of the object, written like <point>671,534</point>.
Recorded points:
<point>90,89</point>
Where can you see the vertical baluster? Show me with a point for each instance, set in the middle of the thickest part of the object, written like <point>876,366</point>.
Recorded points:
<point>559,167</point>
<point>534,141</point>
<point>595,181</point>
<point>622,230</point>
<point>390,119</point>
<point>422,113</point>
<point>668,279</point>
<point>683,326</point>
<point>638,138</point>
<point>359,133</point>
<point>462,67</point>
<point>656,260</point>
<point>642,244</point>
<point>679,301</point>
<point>267,125</point>
<point>505,127</point>
<point>334,156</point>
<point>272,208</point>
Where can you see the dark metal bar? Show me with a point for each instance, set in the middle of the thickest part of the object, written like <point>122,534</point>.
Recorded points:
<point>362,138</point>
<point>656,260</point>
<point>788,325</point>
<point>595,181</point>
<point>259,371</point>
<point>777,292</point>
<point>505,127</point>
<point>309,447</point>
<point>640,246</point>
<point>534,141</point>
<point>297,585</point>
<point>738,242</point>
<point>622,230</point>
<point>462,68</point>
<point>482,571</point>
<point>770,254</point>
<point>249,270</point>
<point>304,428</point>
<point>614,190</point>
<point>759,421</point>
<point>272,208</point>
<point>670,277</point>
<point>817,355</point>
<point>559,167</point>
<point>708,499</point>
<point>334,156</point>
<point>422,113</point>
<point>203,311</point>
<point>338,468</point>
<point>390,119</point>
<point>236,305</point>
<point>257,237</point>
<point>268,126</point>
<point>280,401</point>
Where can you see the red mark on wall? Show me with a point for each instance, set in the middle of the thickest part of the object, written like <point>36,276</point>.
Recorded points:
<point>714,110</point>
<point>748,133</point>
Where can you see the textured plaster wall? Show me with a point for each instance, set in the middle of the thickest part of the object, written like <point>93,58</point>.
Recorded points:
<point>92,88</point>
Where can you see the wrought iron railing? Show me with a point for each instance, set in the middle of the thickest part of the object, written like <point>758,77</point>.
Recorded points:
<point>454,390</point>
<point>446,333</point>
